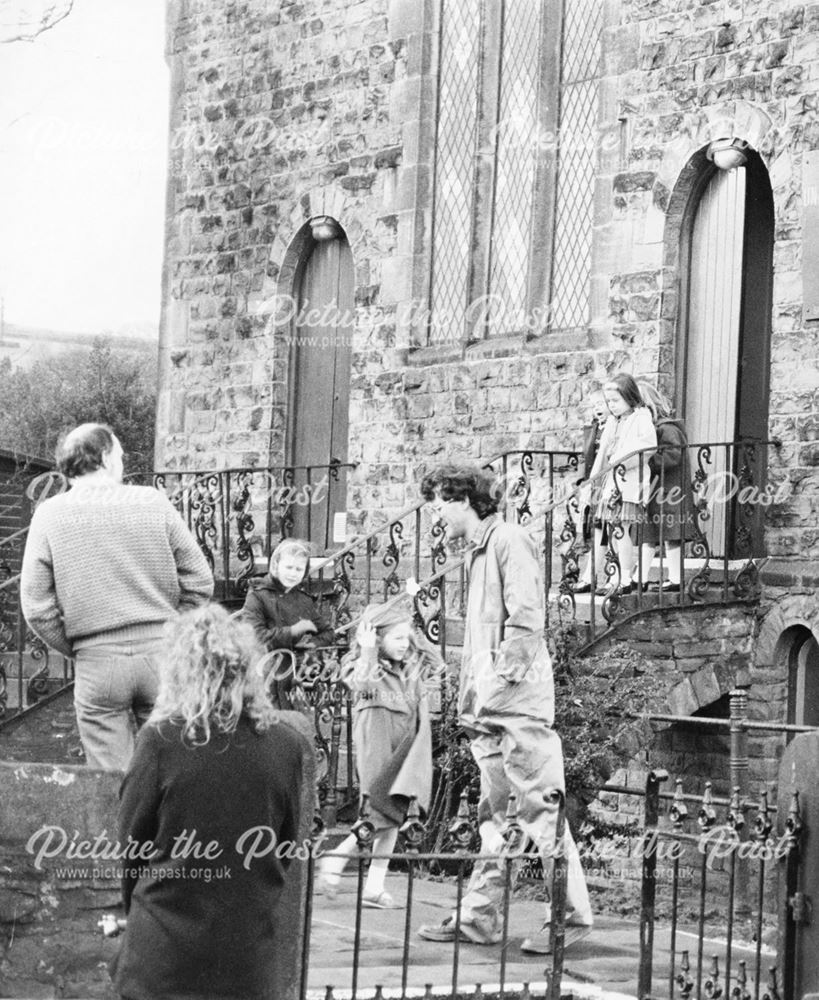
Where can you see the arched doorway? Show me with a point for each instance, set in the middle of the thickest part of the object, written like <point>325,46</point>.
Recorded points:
<point>723,356</point>
<point>802,653</point>
<point>318,406</point>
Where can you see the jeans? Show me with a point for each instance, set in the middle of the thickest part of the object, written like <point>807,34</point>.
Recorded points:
<point>112,681</point>
<point>523,757</point>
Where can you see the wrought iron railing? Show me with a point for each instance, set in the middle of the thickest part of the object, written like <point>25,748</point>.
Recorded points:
<point>738,851</point>
<point>706,574</point>
<point>702,868</point>
<point>21,651</point>
<point>716,513</point>
<point>238,515</point>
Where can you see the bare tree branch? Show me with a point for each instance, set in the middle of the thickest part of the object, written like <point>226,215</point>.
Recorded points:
<point>25,20</point>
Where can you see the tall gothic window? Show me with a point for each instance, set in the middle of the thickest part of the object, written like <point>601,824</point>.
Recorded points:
<point>514,166</point>
<point>572,245</point>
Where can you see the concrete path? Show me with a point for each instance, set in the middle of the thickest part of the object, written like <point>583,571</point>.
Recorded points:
<point>606,962</point>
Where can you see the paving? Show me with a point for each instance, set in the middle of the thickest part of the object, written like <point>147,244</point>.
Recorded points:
<point>605,964</point>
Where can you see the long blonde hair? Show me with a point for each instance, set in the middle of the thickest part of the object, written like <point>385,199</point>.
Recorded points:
<point>423,661</point>
<point>212,674</point>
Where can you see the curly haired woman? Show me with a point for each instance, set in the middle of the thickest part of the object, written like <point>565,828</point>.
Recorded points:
<point>213,766</point>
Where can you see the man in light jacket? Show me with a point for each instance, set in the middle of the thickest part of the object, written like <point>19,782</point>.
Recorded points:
<point>506,704</point>
<point>105,567</point>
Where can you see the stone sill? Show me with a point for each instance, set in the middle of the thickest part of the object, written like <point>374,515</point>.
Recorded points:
<point>516,345</point>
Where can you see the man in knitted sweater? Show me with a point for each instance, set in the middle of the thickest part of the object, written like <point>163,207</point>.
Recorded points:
<point>105,567</point>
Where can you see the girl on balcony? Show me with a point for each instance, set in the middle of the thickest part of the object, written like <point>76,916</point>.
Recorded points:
<point>590,494</point>
<point>671,501</point>
<point>389,669</point>
<point>624,493</point>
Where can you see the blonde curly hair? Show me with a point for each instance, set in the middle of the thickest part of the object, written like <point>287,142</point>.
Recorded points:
<point>212,674</point>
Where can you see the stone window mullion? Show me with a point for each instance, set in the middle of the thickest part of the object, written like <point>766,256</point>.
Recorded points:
<point>476,316</point>
<point>545,186</point>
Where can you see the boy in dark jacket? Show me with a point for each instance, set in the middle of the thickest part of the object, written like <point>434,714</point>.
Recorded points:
<point>283,614</point>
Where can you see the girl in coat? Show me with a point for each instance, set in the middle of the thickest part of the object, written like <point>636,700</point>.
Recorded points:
<point>213,762</point>
<point>388,670</point>
<point>286,619</point>
<point>628,429</point>
<point>671,501</point>
<point>592,526</point>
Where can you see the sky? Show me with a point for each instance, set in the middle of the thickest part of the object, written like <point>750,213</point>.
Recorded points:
<point>83,147</point>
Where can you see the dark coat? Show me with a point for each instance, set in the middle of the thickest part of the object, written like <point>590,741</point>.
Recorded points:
<point>591,442</point>
<point>271,610</point>
<point>589,500</point>
<point>671,501</point>
<point>193,932</point>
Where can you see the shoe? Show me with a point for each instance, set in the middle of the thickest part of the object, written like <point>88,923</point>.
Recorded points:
<point>327,888</point>
<point>380,901</point>
<point>583,588</point>
<point>606,591</point>
<point>541,944</point>
<point>668,588</point>
<point>445,931</point>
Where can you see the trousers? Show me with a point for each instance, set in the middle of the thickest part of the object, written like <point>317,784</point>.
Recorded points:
<point>115,686</point>
<point>521,757</point>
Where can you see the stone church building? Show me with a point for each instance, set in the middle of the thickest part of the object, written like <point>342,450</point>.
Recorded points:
<point>400,231</point>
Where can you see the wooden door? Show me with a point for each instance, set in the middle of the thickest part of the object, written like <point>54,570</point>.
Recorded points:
<point>320,387</point>
<point>715,301</point>
<point>725,368</point>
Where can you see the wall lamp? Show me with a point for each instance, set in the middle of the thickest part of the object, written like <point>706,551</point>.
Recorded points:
<point>324,228</point>
<point>728,154</point>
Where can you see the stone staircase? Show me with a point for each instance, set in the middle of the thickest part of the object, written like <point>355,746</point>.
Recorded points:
<point>46,733</point>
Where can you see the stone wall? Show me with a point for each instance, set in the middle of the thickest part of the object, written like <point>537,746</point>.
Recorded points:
<point>346,89</point>
<point>678,76</point>
<point>329,115</point>
<point>696,656</point>
<point>281,113</point>
<point>50,944</point>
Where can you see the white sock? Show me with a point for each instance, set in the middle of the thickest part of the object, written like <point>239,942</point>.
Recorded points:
<point>383,843</point>
<point>331,865</point>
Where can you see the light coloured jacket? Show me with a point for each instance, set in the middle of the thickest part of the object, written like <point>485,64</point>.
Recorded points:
<point>506,669</point>
<point>621,436</point>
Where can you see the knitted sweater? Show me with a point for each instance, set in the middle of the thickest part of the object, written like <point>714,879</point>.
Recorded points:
<point>108,563</point>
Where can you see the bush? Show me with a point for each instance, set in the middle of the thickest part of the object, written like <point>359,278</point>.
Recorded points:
<point>598,703</point>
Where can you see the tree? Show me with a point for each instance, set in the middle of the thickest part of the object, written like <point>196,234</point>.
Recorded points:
<point>25,20</point>
<point>100,385</point>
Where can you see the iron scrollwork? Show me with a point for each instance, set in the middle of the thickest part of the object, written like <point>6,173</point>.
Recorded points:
<point>521,492</point>
<point>245,525</point>
<point>426,597</point>
<point>288,518</point>
<point>616,530</point>
<point>391,560</point>
<point>342,585</point>
<point>700,549</point>
<point>203,502</point>
<point>568,555</point>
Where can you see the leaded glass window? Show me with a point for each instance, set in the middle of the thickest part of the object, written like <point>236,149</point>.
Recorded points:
<point>458,90</point>
<point>489,196</point>
<point>515,164</point>
<point>577,151</point>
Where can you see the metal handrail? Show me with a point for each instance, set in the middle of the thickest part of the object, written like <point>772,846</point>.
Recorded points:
<point>555,504</point>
